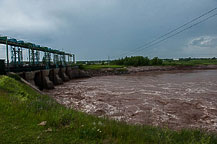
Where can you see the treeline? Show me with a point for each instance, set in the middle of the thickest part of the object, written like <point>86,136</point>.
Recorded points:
<point>137,61</point>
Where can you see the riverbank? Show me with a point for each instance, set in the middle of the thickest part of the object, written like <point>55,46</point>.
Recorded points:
<point>29,117</point>
<point>105,71</point>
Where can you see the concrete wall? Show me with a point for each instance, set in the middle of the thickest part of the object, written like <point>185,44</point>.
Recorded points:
<point>46,79</point>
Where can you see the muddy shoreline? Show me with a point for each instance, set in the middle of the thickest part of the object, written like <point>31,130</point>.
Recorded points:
<point>130,70</point>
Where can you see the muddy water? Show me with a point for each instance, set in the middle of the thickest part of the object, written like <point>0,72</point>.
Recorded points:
<point>176,100</point>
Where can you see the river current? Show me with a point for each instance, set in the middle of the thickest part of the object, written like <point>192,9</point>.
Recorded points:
<point>175,99</point>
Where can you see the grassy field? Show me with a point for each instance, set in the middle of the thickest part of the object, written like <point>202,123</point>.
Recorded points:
<point>22,110</point>
<point>192,62</point>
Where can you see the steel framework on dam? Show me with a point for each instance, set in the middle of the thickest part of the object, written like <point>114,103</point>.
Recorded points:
<point>51,58</point>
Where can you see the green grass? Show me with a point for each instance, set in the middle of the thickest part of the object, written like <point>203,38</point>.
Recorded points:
<point>22,109</point>
<point>99,66</point>
<point>191,62</point>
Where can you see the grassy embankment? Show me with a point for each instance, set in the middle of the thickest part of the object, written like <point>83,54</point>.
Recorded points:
<point>192,62</point>
<point>22,109</point>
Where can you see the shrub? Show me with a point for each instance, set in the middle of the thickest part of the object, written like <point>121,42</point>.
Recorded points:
<point>156,61</point>
<point>137,61</point>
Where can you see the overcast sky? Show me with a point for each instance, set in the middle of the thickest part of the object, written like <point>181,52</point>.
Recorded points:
<point>96,29</point>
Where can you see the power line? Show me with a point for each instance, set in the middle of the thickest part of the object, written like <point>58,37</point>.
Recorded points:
<point>161,36</point>
<point>173,30</point>
<point>177,33</point>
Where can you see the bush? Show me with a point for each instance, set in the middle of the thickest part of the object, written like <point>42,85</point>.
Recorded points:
<point>137,61</point>
<point>156,61</point>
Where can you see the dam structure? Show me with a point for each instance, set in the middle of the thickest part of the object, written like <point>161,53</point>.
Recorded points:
<point>41,66</point>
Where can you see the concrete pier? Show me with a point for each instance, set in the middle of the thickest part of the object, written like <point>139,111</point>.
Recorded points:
<point>69,72</point>
<point>54,76</point>
<point>47,84</point>
<point>38,80</point>
<point>62,74</point>
<point>30,77</point>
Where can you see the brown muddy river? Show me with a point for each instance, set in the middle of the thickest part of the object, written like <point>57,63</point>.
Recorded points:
<point>186,99</point>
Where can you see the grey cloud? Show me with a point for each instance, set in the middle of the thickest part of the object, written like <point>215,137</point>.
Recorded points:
<point>202,46</point>
<point>205,41</point>
<point>96,29</point>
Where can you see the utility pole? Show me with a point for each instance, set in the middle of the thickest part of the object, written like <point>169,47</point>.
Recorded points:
<point>29,58</point>
<point>33,57</point>
<point>108,59</point>
<point>7,54</point>
<point>74,58</point>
